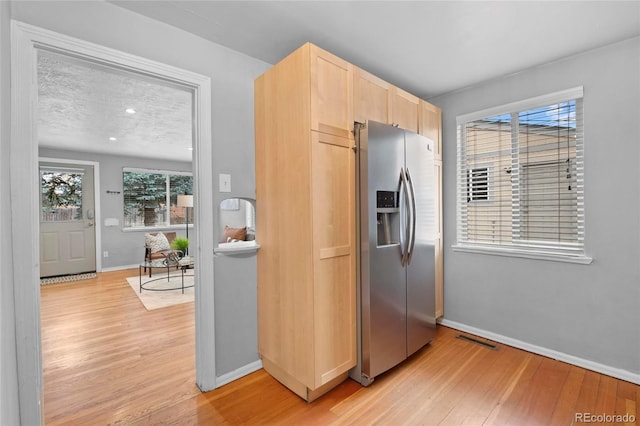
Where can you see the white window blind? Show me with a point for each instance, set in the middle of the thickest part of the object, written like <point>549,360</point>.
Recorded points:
<point>521,177</point>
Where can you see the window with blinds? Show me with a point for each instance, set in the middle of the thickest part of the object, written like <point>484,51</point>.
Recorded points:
<point>521,177</point>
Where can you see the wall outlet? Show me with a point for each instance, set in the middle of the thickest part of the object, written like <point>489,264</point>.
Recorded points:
<point>105,254</point>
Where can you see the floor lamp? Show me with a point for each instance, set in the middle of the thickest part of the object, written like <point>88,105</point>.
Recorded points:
<point>186,201</point>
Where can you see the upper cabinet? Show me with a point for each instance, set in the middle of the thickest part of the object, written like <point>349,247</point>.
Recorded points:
<point>375,99</point>
<point>431,127</point>
<point>371,97</point>
<point>331,93</point>
<point>404,110</point>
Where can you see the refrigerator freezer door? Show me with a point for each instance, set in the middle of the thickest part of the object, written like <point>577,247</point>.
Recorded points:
<point>421,321</point>
<point>383,290</point>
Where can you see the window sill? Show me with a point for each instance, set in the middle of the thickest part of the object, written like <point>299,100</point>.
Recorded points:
<point>538,255</point>
<point>156,228</point>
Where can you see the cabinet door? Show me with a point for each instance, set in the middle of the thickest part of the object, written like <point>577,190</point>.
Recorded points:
<point>334,242</point>
<point>431,126</point>
<point>404,109</point>
<point>438,243</point>
<point>371,98</point>
<point>331,93</point>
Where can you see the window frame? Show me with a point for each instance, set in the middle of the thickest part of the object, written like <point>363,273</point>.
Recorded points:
<point>168,174</point>
<point>462,245</point>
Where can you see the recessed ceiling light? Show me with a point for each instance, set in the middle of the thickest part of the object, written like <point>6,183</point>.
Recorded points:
<point>190,148</point>
<point>111,138</point>
<point>130,111</point>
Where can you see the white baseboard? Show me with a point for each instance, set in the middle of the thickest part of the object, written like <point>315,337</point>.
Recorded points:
<point>236,374</point>
<point>550,353</point>
<point>120,268</point>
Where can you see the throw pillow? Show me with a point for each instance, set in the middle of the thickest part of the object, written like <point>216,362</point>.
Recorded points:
<point>230,234</point>
<point>157,242</point>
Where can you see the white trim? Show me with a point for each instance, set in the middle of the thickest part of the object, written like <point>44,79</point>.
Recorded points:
<point>96,200</point>
<point>527,254</point>
<point>121,268</point>
<point>24,227</point>
<point>156,228</point>
<point>25,39</point>
<point>550,353</point>
<point>238,373</point>
<point>156,171</point>
<point>538,101</point>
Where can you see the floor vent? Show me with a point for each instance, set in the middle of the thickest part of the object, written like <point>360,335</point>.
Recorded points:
<point>477,342</point>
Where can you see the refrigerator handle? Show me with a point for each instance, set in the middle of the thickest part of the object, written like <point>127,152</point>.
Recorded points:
<point>412,241</point>
<point>404,217</point>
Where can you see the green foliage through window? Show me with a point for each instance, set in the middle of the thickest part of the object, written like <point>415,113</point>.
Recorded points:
<point>61,196</point>
<point>150,198</point>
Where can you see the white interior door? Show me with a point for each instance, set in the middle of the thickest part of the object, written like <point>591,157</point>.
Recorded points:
<point>67,219</point>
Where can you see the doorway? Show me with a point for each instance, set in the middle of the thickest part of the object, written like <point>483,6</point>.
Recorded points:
<point>25,225</point>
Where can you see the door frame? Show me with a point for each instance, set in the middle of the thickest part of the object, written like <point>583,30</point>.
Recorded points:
<point>25,40</point>
<point>97,229</point>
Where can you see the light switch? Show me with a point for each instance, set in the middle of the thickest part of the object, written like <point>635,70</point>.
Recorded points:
<point>225,182</point>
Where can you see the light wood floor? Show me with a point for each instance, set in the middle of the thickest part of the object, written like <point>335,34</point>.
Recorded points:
<point>109,361</point>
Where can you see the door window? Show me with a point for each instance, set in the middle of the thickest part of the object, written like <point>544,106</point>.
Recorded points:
<point>61,195</point>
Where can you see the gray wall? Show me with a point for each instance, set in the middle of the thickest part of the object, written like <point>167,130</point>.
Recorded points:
<point>232,75</point>
<point>125,248</point>
<point>587,311</point>
<point>9,409</point>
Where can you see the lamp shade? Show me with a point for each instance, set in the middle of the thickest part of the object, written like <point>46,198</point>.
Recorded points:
<point>185,200</point>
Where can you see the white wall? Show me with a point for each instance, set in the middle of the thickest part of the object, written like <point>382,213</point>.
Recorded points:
<point>586,311</point>
<point>232,75</point>
<point>9,410</point>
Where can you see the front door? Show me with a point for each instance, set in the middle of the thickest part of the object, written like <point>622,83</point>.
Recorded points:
<point>67,225</point>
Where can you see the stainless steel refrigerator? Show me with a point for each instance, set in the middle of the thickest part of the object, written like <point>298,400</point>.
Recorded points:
<point>396,274</point>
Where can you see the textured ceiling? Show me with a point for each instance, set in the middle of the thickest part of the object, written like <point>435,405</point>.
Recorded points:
<point>81,105</point>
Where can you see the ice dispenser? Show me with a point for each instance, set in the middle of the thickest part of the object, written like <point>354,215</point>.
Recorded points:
<point>388,213</point>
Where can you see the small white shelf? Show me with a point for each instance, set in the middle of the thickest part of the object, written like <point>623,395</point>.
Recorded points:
<point>237,247</point>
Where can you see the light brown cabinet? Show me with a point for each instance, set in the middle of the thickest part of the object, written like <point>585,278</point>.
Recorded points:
<point>305,196</point>
<point>377,100</point>
<point>404,110</point>
<point>371,97</point>
<point>305,108</point>
<point>331,81</point>
<point>430,125</point>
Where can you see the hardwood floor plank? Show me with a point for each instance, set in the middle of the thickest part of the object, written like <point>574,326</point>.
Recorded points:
<point>564,410</point>
<point>546,385</point>
<point>513,409</point>
<point>588,393</point>
<point>466,403</point>
<point>606,399</point>
<point>107,360</point>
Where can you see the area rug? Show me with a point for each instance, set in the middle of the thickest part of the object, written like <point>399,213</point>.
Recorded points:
<point>161,299</point>
<point>68,278</point>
